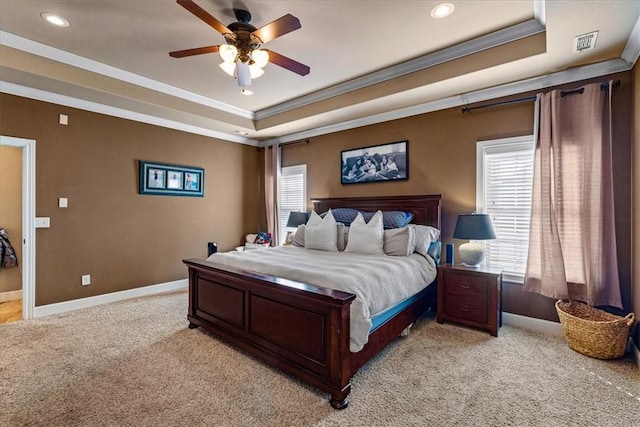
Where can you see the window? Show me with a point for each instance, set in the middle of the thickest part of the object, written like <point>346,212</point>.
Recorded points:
<point>293,194</point>
<point>504,181</point>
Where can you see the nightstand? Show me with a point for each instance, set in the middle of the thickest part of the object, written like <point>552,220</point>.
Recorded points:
<point>471,296</point>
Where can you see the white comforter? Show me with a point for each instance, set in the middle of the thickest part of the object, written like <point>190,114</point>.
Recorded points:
<point>378,282</point>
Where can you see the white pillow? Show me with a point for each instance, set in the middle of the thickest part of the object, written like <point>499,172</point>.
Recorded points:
<point>400,241</point>
<point>366,238</point>
<point>321,233</point>
<point>425,235</point>
<point>298,239</point>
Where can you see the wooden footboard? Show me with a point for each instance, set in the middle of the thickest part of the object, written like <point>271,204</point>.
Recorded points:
<point>301,329</point>
<point>298,328</point>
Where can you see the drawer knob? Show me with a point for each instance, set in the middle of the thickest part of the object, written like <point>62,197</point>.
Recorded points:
<point>464,307</point>
<point>465,285</point>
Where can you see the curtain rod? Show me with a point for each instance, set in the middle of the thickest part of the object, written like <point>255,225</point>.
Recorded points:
<point>603,86</point>
<point>580,91</point>
<point>493,104</point>
<point>285,144</point>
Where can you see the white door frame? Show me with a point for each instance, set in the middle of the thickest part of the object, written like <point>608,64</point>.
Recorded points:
<point>28,147</point>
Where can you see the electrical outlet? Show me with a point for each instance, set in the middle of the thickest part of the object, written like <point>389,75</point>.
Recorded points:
<point>86,279</point>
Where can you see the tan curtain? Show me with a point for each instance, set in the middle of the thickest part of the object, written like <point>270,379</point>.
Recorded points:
<point>572,244</point>
<point>271,197</point>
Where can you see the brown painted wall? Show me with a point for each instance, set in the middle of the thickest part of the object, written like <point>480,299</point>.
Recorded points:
<point>442,152</point>
<point>123,239</point>
<point>636,201</point>
<point>11,212</point>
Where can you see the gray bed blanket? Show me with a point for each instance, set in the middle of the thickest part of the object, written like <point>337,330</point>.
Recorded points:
<point>379,282</point>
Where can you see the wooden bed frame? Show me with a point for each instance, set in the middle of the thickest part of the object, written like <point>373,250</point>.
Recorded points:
<point>298,328</point>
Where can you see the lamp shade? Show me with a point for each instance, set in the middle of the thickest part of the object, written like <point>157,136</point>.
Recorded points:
<point>474,227</point>
<point>297,218</point>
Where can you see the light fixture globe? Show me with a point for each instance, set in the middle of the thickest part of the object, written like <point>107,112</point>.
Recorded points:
<point>229,68</point>
<point>473,227</point>
<point>260,57</point>
<point>228,52</point>
<point>255,71</point>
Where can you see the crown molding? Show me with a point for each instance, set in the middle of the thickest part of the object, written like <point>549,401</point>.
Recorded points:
<point>68,101</point>
<point>631,50</point>
<point>45,51</point>
<point>536,83</point>
<point>540,11</point>
<point>479,44</point>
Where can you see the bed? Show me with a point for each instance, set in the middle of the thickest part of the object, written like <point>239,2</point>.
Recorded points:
<point>300,328</point>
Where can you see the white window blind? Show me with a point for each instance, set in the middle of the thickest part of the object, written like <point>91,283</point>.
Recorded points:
<point>293,194</point>
<point>504,183</point>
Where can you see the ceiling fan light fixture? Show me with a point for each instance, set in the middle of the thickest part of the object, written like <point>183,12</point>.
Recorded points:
<point>442,10</point>
<point>260,57</point>
<point>228,52</point>
<point>229,68</point>
<point>245,92</point>
<point>255,71</point>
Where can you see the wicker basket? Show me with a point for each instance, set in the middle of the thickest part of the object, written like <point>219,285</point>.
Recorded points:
<point>594,332</point>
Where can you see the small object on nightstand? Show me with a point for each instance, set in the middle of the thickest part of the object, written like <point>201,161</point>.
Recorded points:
<point>471,296</point>
<point>450,251</point>
<point>212,248</point>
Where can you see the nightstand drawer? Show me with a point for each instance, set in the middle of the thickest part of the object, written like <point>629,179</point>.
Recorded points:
<point>466,285</point>
<point>470,309</point>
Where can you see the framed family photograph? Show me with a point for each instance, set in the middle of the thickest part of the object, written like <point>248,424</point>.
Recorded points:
<point>375,163</point>
<point>164,179</point>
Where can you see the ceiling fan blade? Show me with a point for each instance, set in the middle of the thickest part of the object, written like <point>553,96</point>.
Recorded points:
<point>204,15</point>
<point>288,63</point>
<point>195,51</point>
<point>277,28</point>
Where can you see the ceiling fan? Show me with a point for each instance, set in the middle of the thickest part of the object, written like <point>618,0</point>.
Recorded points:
<point>242,53</point>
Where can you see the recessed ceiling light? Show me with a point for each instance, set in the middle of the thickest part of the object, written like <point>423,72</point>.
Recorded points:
<point>246,92</point>
<point>442,10</point>
<point>54,19</point>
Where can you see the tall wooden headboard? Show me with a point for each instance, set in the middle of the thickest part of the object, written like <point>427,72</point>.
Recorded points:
<point>425,208</point>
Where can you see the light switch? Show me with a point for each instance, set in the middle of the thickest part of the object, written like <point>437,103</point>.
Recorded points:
<point>62,202</point>
<point>43,222</point>
<point>63,119</point>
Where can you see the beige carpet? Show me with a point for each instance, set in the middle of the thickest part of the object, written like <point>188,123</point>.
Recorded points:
<point>135,363</point>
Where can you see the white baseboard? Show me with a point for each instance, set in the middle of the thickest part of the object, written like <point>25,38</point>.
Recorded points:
<point>65,306</point>
<point>11,295</point>
<point>533,324</point>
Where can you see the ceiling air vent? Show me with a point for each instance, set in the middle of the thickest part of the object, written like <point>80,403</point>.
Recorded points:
<point>585,42</point>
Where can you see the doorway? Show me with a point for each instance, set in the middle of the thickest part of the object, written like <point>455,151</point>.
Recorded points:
<point>28,147</point>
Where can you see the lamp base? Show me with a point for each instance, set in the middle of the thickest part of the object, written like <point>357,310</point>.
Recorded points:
<point>471,254</point>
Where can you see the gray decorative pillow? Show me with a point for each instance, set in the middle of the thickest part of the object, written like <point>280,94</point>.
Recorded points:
<point>399,241</point>
<point>298,238</point>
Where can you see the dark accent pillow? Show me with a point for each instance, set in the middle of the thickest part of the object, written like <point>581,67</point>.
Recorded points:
<point>344,215</point>
<point>391,219</point>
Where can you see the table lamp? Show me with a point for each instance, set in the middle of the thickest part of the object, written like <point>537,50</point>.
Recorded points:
<point>473,227</point>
